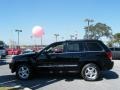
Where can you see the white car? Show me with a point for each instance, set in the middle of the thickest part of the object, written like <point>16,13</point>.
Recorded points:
<point>3,52</point>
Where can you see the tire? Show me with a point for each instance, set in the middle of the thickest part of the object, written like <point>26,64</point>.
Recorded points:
<point>24,72</point>
<point>90,72</point>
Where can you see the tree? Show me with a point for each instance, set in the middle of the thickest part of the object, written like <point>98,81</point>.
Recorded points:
<point>114,41</point>
<point>116,38</point>
<point>97,31</point>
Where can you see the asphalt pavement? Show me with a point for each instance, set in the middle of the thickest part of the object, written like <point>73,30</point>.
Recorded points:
<point>109,80</point>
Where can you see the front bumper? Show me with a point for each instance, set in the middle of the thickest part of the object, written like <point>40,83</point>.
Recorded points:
<point>11,66</point>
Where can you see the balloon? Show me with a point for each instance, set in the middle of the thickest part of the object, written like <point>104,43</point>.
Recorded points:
<point>37,31</point>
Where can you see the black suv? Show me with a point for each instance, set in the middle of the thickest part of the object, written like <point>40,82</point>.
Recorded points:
<point>88,57</point>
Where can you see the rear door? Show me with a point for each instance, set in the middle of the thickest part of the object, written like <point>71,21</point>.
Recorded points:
<point>76,49</point>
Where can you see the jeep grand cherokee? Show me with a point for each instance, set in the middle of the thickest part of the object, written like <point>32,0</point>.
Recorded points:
<point>88,57</point>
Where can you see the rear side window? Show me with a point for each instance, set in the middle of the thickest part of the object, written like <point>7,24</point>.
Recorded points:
<point>81,47</point>
<point>92,46</point>
<point>75,47</point>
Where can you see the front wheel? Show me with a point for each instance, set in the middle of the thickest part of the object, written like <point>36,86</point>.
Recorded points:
<point>23,72</point>
<point>90,72</point>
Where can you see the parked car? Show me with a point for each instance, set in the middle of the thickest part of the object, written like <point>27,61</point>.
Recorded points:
<point>13,51</point>
<point>3,52</point>
<point>27,51</point>
<point>3,47</point>
<point>115,52</point>
<point>88,57</point>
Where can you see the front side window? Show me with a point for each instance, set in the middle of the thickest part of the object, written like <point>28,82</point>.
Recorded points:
<point>91,46</point>
<point>112,49</point>
<point>57,48</point>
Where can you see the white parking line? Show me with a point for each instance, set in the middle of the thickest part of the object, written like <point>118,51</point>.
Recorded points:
<point>35,86</point>
<point>8,81</point>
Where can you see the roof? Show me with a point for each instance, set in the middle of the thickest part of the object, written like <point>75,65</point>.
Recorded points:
<point>83,40</point>
<point>86,40</point>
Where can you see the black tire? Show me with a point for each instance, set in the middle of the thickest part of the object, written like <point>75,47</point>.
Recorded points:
<point>90,72</point>
<point>26,74</point>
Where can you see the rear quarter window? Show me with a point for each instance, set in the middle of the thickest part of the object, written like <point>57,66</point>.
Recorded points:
<point>93,46</point>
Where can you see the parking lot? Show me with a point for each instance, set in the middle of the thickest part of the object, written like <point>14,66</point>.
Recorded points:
<point>109,80</point>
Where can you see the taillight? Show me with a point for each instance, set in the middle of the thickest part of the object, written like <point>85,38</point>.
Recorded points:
<point>109,55</point>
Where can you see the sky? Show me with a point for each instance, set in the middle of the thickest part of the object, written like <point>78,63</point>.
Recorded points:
<point>64,17</point>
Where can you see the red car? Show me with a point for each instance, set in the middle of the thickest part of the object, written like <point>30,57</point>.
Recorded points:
<point>13,51</point>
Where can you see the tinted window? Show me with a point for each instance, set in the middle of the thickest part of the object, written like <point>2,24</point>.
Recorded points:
<point>57,48</point>
<point>75,47</point>
<point>93,47</point>
<point>81,47</point>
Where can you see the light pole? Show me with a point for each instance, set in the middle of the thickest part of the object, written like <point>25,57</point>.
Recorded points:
<point>56,36</point>
<point>31,37</point>
<point>76,36</point>
<point>62,38</point>
<point>88,23</point>
<point>71,37</point>
<point>18,31</point>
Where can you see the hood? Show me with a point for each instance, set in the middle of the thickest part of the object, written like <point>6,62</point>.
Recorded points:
<point>24,56</point>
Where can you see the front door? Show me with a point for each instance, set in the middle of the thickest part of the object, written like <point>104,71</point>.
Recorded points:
<point>53,58</point>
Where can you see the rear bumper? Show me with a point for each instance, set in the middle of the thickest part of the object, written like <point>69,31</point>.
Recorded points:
<point>108,65</point>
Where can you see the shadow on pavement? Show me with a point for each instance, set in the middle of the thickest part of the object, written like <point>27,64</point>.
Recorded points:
<point>110,75</point>
<point>41,80</point>
<point>38,81</point>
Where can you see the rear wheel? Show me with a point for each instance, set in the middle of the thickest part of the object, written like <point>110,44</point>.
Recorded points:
<point>90,72</point>
<point>24,72</point>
